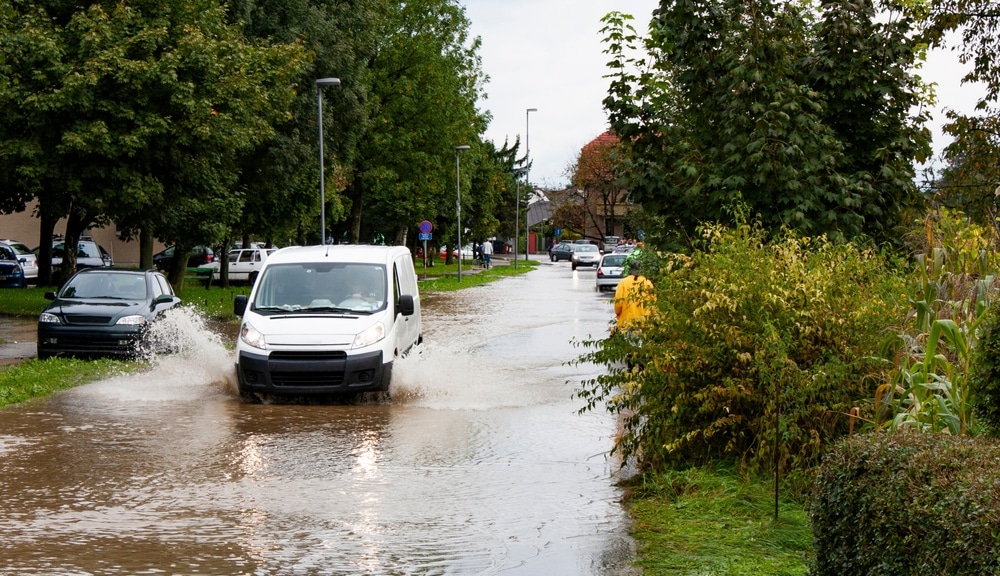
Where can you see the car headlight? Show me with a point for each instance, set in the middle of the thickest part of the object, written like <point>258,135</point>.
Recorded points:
<point>49,318</point>
<point>370,336</point>
<point>134,320</point>
<point>252,337</point>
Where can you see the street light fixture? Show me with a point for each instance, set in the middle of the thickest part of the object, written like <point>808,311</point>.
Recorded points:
<point>527,180</point>
<point>458,204</point>
<point>322,190</point>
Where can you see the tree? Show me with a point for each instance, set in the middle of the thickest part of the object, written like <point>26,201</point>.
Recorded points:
<point>972,175</point>
<point>146,107</point>
<point>596,173</point>
<point>280,179</point>
<point>426,82</point>
<point>799,111</point>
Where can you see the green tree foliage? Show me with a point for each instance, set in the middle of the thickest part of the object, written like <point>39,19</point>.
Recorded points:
<point>280,179</point>
<point>748,331</point>
<point>492,190</point>
<point>426,82</point>
<point>802,111</point>
<point>978,22</point>
<point>972,173</point>
<point>145,108</point>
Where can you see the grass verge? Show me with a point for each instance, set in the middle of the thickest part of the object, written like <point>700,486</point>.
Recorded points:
<point>706,522</point>
<point>37,378</point>
<point>443,278</point>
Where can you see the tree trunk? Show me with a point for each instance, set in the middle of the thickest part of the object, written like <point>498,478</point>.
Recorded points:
<point>357,196</point>
<point>145,249</point>
<point>46,226</point>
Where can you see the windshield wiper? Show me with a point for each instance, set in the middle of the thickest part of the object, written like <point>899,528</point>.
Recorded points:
<point>280,309</point>
<point>331,309</point>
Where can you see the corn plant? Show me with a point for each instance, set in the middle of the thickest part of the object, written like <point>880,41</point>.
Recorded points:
<point>934,347</point>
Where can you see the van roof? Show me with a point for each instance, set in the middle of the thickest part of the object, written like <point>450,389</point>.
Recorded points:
<point>337,253</point>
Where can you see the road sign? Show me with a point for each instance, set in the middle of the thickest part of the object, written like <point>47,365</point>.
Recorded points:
<point>423,236</point>
<point>426,227</point>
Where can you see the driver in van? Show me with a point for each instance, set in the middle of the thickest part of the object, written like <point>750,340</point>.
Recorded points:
<point>357,293</point>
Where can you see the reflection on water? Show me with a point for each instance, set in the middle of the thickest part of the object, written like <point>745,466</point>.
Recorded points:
<point>479,463</point>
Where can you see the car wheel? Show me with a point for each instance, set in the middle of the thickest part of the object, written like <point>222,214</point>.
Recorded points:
<point>253,277</point>
<point>552,258</point>
<point>574,265</point>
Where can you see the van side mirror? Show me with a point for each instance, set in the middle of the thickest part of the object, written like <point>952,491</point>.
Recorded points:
<point>406,304</point>
<point>240,305</point>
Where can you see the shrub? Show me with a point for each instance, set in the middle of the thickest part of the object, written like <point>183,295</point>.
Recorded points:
<point>746,328</point>
<point>908,504</point>
<point>984,377</point>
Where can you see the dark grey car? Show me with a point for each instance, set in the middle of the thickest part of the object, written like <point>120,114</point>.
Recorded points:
<point>104,312</point>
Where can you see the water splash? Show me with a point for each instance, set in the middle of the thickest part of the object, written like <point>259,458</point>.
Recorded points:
<point>187,361</point>
<point>436,375</point>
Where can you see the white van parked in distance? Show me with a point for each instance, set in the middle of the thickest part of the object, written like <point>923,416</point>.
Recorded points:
<point>326,320</point>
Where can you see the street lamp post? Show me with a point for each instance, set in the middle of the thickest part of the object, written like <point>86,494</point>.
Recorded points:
<point>458,204</point>
<point>527,180</point>
<point>320,83</point>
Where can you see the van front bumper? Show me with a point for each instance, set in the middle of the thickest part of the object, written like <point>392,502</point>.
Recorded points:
<point>312,372</point>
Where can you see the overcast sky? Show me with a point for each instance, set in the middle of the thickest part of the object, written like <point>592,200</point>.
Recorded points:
<point>547,54</point>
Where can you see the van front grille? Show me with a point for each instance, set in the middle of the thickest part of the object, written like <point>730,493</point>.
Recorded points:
<point>317,355</point>
<point>307,378</point>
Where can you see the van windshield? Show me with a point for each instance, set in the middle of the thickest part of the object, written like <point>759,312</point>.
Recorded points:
<point>322,287</point>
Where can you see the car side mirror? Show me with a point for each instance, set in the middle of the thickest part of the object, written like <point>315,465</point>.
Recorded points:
<point>406,306</point>
<point>50,295</point>
<point>163,299</point>
<point>240,304</point>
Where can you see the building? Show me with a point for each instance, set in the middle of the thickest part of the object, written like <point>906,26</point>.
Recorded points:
<point>25,227</point>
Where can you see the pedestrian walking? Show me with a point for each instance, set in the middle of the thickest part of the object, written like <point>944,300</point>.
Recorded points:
<point>487,253</point>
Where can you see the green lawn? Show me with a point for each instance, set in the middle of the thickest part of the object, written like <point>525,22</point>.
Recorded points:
<point>705,521</point>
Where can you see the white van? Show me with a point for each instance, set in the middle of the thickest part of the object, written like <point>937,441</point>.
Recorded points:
<point>327,320</point>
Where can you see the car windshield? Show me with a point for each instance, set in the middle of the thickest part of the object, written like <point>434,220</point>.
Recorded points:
<point>6,253</point>
<point>586,248</point>
<point>83,250</point>
<point>322,287</point>
<point>19,248</point>
<point>106,285</point>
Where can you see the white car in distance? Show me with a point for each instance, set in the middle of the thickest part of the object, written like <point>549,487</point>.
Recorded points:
<point>245,263</point>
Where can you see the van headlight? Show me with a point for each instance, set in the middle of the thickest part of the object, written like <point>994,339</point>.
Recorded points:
<point>252,337</point>
<point>370,336</point>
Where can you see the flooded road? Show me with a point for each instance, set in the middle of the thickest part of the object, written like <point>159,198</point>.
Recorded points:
<point>479,463</point>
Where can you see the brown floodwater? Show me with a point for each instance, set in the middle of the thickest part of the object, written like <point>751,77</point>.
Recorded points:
<point>478,463</point>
